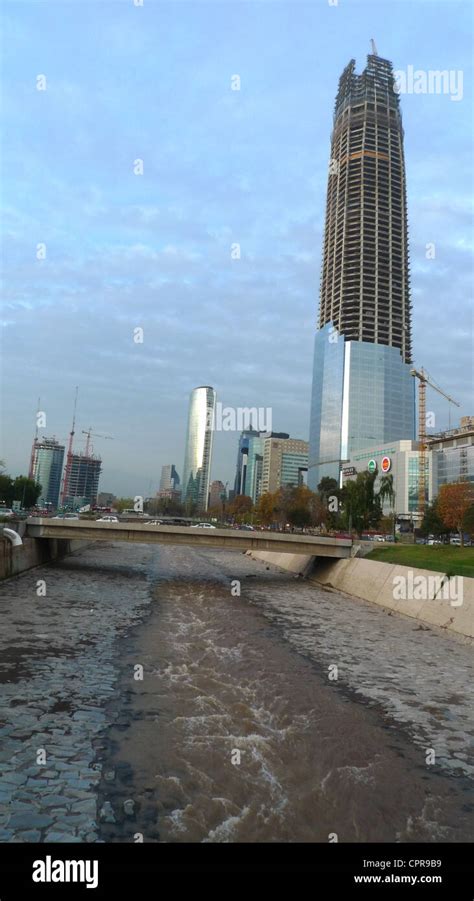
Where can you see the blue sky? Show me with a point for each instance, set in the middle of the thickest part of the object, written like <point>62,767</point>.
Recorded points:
<point>125,251</point>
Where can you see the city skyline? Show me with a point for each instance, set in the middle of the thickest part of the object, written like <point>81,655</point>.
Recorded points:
<point>249,166</point>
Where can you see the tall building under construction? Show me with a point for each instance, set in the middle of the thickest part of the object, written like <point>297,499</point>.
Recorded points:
<point>362,388</point>
<point>81,484</point>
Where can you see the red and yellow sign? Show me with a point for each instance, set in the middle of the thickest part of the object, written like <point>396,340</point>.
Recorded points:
<point>386,464</point>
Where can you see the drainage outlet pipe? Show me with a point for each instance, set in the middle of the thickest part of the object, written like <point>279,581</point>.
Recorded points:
<point>13,537</point>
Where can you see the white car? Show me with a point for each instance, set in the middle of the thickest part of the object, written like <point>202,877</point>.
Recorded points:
<point>155,522</point>
<point>107,519</point>
<point>203,525</point>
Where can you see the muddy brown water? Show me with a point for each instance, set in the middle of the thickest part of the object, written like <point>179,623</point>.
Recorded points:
<point>236,733</point>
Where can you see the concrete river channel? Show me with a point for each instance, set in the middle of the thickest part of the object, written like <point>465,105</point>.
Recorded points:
<point>188,695</point>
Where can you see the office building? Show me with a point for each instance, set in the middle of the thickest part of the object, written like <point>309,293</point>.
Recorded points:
<point>284,461</point>
<point>242,460</point>
<point>106,499</point>
<point>46,466</point>
<point>217,495</point>
<point>362,388</point>
<point>198,453</point>
<point>169,479</point>
<point>452,454</point>
<point>401,460</point>
<point>250,460</point>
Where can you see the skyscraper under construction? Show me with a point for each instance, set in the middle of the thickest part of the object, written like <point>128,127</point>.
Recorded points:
<point>362,388</point>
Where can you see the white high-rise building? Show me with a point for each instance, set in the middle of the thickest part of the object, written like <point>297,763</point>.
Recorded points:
<point>198,453</point>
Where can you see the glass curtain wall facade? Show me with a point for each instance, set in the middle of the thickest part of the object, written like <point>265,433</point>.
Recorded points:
<point>240,486</point>
<point>169,480</point>
<point>198,453</point>
<point>362,388</point>
<point>48,457</point>
<point>292,466</point>
<point>253,482</point>
<point>453,464</point>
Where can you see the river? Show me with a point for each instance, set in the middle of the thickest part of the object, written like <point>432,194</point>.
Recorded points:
<point>192,695</point>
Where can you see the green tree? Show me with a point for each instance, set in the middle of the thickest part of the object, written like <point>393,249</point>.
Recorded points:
<point>6,490</point>
<point>327,486</point>
<point>123,503</point>
<point>387,492</point>
<point>330,496</point>
<point>25,490</point>
<point>299,517</point>
<point>432,523</point>
<point>361,508</point>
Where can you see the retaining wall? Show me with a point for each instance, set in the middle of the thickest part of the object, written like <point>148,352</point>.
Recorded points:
<point>33,552</point>
<point>374,581</point>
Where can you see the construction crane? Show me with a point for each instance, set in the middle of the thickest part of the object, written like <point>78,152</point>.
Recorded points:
<point>67,470</point>
<point>89,432</point>
<point>33,447</point>
<point>424,380</point>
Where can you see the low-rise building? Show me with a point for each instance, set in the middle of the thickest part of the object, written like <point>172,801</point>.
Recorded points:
<point>400,459</point>
<point>452,454</point>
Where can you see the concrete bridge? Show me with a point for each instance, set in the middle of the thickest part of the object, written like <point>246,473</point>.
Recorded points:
<point>232,539</point>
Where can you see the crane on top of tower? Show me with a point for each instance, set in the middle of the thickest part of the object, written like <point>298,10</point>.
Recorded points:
<point>90,433</point>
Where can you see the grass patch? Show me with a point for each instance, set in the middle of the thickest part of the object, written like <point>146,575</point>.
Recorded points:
<point>454,561</point>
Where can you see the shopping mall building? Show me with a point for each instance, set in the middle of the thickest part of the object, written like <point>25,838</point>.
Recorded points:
<point>449,458</point>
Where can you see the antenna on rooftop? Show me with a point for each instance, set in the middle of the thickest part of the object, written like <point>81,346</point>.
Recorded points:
<point>374,48</point>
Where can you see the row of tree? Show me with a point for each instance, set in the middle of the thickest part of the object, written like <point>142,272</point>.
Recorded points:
<point>451,511</point>
<point>21,489</point>
<point>357,506</point>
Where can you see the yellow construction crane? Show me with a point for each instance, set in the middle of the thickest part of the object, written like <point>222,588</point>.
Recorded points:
<point>424,380</point>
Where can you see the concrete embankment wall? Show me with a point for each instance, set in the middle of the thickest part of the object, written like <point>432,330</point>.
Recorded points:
<point>33,552</point>
<point>377,582</point>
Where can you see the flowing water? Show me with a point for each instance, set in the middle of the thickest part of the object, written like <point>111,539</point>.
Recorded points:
<point>222,717</point>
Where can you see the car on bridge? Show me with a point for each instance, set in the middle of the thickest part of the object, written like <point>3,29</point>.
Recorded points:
<point>203,525</point>
<point>66,516</point>
<point>108,519</point>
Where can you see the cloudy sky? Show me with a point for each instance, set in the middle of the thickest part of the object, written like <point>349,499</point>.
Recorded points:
<point>220,166</point>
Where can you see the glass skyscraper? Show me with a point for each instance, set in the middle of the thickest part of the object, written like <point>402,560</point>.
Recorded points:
<point>46,468</point>
<point>198,453</point>
<point>362,387</point>
<point>240,484</point>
